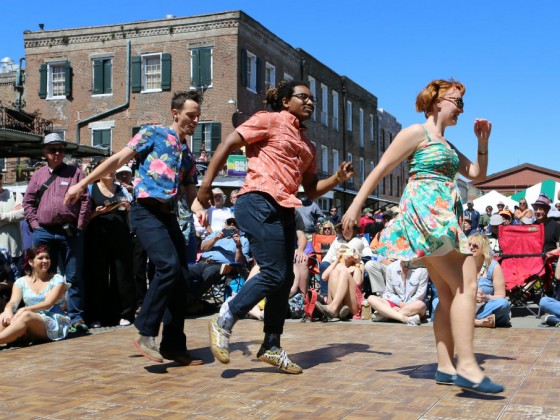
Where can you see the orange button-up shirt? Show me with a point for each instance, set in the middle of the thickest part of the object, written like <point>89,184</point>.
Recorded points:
<point>278,154</point>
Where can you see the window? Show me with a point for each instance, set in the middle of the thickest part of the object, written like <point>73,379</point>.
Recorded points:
<point>251,72</point>
<point>102,76</point>
<point>348,115</point>
<point>207,136</point>
<point>324,159</point>
<point>335,110</point>
<point>362,171</point>
<point>3,164</point>
<point>361,127</point>
<point>151,73</point>
<point>371,128</point>
<point>313,90</point>
<point>101,138</point>
<point>201,67</point>
<point>335,161</point>
<point>288,77</point>
<point>349,159</point>
<point>55,80</point>
<point>371,165</point>
<point>324,105</point>
<point>270,75</point>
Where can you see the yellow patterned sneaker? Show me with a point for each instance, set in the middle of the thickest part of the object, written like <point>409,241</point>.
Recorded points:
<point>279,358</point>
<point>219,341</point>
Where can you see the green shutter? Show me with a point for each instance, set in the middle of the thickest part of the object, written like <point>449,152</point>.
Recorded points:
<point>260,74</point>
<point>97,77</point>
<point>136,74</point>
<point>67,79</point>
<point>43,81</point>
<point>197,139</point>
<point>107,76</point>
<point>195,67</point>
<point>216,133</point>
<point>205,63</point>
<point>166,72</point>
<point>244,68</point>
<point>97,138</point>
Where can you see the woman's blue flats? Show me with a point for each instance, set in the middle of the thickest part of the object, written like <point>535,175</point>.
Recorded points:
<point>443,378</point>
<point>484,387</point>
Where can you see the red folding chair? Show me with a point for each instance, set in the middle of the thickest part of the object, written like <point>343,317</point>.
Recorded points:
<point>321,245</point>
<point>525,266</point>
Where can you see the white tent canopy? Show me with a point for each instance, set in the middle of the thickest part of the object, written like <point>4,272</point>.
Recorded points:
<point>492,199</point>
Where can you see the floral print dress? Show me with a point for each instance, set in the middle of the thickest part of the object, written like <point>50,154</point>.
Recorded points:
<point>430,208</point>
<point>55,320</point>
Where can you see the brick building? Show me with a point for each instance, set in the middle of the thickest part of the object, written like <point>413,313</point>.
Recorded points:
<point>98,85</point>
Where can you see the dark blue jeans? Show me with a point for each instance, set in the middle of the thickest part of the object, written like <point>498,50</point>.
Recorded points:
<point>67,253</point>
<point>160,235</point>
<point>271,232</point>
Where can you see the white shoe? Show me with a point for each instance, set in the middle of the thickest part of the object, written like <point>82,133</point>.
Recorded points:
<point>124,322</point>
<point>413,320</point>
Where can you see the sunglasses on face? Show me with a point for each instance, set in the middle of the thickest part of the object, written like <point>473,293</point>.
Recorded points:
<point>473,245</point>
<point>306,98</point>
<point>456,100</point>
<point>54,150</point>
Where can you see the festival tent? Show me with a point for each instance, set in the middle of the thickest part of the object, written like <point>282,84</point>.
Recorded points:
<point>492,198</point>
<point>549,187</point>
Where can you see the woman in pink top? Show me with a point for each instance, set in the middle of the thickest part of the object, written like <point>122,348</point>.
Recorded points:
<point>280,158</point>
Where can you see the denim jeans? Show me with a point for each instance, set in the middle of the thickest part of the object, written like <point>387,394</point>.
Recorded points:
<point>67,253</point>
<point>271,232</point>
<point>550,306</point>
<point>159,234</point>
<point>500,307</point>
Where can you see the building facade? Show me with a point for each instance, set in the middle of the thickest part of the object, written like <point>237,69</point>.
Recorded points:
<point>99,85</point>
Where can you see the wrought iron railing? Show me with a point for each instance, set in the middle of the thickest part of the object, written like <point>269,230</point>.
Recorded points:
<point>22,121</point>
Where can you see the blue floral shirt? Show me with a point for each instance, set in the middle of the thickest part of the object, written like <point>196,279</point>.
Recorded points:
<point>163,163</point>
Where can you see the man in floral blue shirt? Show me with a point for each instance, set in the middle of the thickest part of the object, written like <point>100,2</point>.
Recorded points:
<point>165,162</point>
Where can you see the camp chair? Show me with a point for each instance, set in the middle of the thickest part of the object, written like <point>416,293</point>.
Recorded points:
<point>524,264</point>
<point>233,276</point>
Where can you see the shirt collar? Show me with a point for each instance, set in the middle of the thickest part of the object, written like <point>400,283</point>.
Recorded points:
<point>293,120</point>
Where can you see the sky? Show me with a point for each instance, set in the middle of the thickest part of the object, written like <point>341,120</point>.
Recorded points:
<point>506,53</point>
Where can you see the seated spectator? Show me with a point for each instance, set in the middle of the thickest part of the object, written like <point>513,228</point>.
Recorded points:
<point>218,213</point>
<point>522,212</point>
<point>327,228</point>
<point>374,268</point>
<point>467,227</point>
<point>42,317</point>
<point>334,218</point>
<point>222,247</point>
<point>8,275</point>
<point>366,219</point>
<point>493,309</point>
<point>11,214</point>
<point>403,298</point>
<point>551,307</point>
<point>500,207</point>
<point>345,277</point>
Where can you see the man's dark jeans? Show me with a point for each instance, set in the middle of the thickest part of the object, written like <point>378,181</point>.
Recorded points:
<point>271,231</point>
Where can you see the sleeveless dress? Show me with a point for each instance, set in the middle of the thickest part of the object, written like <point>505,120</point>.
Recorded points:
<point>430,208</point>
<point>55,320</point>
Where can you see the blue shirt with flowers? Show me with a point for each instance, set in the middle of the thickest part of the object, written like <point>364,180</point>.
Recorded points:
<point>163,163</point>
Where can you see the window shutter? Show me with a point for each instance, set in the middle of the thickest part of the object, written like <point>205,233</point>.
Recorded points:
<point>244,68</point>
<point>43,81</point>
<point>205,63</point>
<point>97,77</point>
<point>197,139</point>
<point>216,136</point>
<point>260,86</point>
<point>107,76</point>
<point>67,80</point>
<point>195,68</point>
<point>166,72</point>
<point>136,74</point>
<point>97,138</point>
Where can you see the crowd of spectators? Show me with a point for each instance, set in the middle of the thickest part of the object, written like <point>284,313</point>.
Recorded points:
<point>93,272</point>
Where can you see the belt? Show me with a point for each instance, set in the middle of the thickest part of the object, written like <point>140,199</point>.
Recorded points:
<point>209,261</point>
<point>164,207</point>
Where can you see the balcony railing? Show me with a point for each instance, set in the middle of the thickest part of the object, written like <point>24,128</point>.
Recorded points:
<point>21,121</point>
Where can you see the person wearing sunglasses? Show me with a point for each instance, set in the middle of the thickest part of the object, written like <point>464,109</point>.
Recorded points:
<point>493,309</point>
<point>427,232</point>
<point>280,157</point>
<point>57,224</point>
<point>523,212</point>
